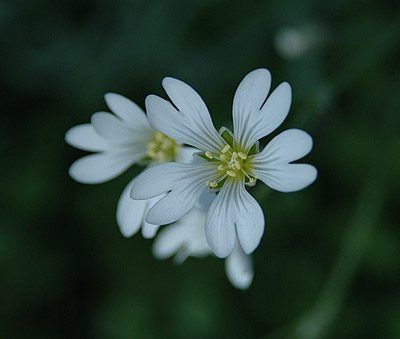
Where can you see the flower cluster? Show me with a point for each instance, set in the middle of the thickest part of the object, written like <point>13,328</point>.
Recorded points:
<point>199,188</point>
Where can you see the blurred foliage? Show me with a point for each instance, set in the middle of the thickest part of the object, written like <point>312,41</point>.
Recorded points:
<point>328,266</point>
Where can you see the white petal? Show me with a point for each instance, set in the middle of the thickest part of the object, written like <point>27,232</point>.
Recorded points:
<point>249,97</point>
<point>220,227</point>
<point>150,230</point>
<point>186,154</point>
<point>288,146</point>
<point>127,110</point>
<point>249,221</point>
<point>275,110</point>
<point>110,127</point>
<point>191,124</point>
<point>273,166</point>
<point>84,137</point>
<point>168,242</point>
<point>239,268</point>
<point>186,238</point>
<point>183,182</point>
<point>130,213</point>
<point>289,178</point>
<point>176,204</point>
<point>252,124</point>
<point>205,200</point>
<point>99,168</point>
<point>234,211</point>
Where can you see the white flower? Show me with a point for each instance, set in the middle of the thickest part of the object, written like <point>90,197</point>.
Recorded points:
<point>230,161</point>
<point>121,140</point>
<point>187,237</point>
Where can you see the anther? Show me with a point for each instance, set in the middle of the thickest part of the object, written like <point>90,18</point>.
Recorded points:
<point>213,184</point>
<point>242,155</point>
<point>220,168</point>
<point>237,165</point>
<point>223,157</point>
<point>151,153</point>
<point>158,136</point>
<point>231,173</point>
<point>234,154</point>
<point>209,155</point>
<point>226,149</point>
<point>152,144</point>
<point>252,180</point>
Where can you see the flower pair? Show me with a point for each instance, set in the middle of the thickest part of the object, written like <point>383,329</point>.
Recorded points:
<point>123,139</point>
<point>223,164</point>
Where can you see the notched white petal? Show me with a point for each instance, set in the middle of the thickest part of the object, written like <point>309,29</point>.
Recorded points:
<point>127,110</point>
<point>250,220</point>
<point>174,205</point>
<point>190,123</point>
<point>155,181</point>
<point>275,109</point>
<point>186,99</point>
<point>84,137</point>
<point>234,211</point>
<point>111,128</point>
<point>150,230</point>
<point>183,184</point>
<point>252,120</point>
<point>249,97</point>
<point>274,164</point>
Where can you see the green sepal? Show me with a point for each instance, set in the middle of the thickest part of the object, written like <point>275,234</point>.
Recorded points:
<point>228,137</point>
<point>254,149</point>
<point>146,159</point>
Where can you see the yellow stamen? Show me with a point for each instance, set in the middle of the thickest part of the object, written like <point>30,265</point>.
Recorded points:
<point>231,173</point>
<point>213,184</point>
<point>220,168</point>
<point>152,144</point>
<point>226,149</point>
<point>252,180</point>
<point>209,155</point>
<point>234,154</point>
<point>161,148</point>
<point>151,153</point>
<point>158,136</point>
<point>223,157</point>
<point>242,155</point>
<point>237,165</point>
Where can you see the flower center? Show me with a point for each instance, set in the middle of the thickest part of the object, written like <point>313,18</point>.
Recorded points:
<point>231,165</point>
<point>162,148</point>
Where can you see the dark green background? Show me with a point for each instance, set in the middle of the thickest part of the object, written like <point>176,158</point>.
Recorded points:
<point>328,265</point>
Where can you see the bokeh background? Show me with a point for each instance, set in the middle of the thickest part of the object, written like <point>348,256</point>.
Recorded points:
<point>328,265</point>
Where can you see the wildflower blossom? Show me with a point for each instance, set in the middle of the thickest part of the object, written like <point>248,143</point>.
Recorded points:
<point>121,140</point>
<point>228,162</point>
